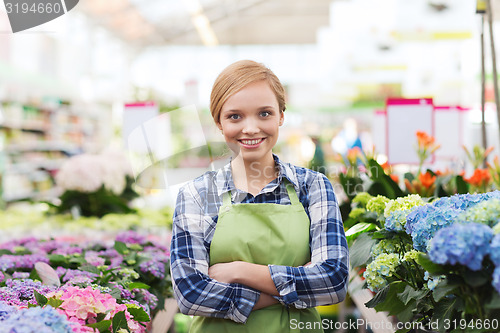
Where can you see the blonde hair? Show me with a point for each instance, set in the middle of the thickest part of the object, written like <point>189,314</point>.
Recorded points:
<point>237,76</point>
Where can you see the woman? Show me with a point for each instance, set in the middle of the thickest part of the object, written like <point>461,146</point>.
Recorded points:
<point>258,244</point>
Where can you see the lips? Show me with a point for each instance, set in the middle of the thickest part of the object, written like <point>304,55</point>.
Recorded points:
<point>251,143</point>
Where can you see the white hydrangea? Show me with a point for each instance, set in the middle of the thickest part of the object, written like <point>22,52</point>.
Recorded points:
<point>88,172</point>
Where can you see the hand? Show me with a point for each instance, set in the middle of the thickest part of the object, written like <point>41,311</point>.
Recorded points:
<point>224,272</point>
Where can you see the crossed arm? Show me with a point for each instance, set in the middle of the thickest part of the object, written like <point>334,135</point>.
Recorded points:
<point>252,275</point>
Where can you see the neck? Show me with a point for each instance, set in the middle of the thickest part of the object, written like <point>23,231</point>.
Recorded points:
<point>254,175</point>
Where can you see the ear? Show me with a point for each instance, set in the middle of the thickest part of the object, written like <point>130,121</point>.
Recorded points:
<point>282,117</point>
<point>219,126</point>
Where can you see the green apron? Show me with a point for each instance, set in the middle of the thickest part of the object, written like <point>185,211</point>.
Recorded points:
<point>263,234</point>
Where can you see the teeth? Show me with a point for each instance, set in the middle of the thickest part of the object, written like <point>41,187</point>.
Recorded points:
<point>251,142</point>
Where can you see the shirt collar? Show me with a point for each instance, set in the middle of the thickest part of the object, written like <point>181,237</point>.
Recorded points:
<point>224,178</point>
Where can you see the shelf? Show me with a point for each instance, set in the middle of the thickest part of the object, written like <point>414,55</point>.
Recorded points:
<point>37,139</point>
<point>62,146</point>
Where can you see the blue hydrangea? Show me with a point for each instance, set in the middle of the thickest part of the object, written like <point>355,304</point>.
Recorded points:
<point>43,320</point>
<point>465,244</point>
<point>424,221</point>
<point>396,220</point>
<point>486,212</point>
<point>496,279</point>
<point>495,250</point>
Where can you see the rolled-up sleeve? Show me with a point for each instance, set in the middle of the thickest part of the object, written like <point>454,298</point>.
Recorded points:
<point>196,293</point>
<point>324,281</point>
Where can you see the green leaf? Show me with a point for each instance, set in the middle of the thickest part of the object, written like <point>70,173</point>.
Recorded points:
<point>116,293</point>
<point>121,247</point>
<point>138,313</point>
<point>392,304</point>
<point>476,279</point>
<point>137,285</point>
<point>424,261</point>
<point>57,259</point>
<point>411,294</point>
<point>379,297</point>
<point>358,229</point>
<point>90,268</point>
<point>442,289</point>
<point>462,186</point>
<point>102,326</point>
<point>445,309</point>
<point>100,317</point>
<point>5,251</point>
<point>40,299</point>
<point>360,251</point>
<point>407,312</point>
<point>494,303</point>
<point>377,174</point>
<point>55,303</point>
<point>119,321</point>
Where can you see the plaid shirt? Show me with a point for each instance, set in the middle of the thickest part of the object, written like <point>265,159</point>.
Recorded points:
<point>195,218</point>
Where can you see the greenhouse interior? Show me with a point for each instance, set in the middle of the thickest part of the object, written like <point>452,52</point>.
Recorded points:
<point>131,130</point>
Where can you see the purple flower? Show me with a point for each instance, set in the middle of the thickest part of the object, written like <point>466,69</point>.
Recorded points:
<point>27,261</point>
<point>466,244</point>
<point>20,275</point>
<point>131,237</point>
<point>94,259</point>
<point>150,299</point>
<point>76,275</point>
<point>153,266</point>
<point>20,292</point>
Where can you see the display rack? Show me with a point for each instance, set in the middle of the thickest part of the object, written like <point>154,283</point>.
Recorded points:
<point>35,141</point>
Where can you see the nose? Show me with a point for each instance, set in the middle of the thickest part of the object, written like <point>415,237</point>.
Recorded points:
<point>250,126</point>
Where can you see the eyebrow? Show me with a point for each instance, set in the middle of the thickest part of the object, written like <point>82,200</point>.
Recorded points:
<point>259,109</point>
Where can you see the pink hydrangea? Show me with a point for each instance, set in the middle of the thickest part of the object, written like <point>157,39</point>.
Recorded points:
<point>81,306</point>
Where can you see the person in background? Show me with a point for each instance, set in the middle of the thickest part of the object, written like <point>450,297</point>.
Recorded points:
<point>259,243</point>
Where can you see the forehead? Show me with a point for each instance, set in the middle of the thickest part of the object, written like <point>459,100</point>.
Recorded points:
<point>256,94</point>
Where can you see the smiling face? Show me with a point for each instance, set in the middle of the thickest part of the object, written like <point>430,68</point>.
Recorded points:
<point>250,121</point>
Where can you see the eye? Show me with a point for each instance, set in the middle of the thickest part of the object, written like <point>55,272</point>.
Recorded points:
<point>265,113</point>
<point>233,116</point>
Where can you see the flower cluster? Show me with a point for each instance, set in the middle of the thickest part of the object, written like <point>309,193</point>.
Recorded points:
<point>486,212</point>
<point>82,305</point>
<point>423,222</point>
<point>362,198</point>
<point>403,203</point>
<point>88,173</point>
<point>140,259</point>
<point>37,319</point>
<point>376,272</point>
<point>377,204</point>
<point>466,244</point>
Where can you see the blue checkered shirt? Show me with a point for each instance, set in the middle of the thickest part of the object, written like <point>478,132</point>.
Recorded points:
<point>195,218</point>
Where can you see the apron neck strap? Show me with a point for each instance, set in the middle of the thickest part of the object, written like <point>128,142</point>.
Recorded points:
<point>292,195</point>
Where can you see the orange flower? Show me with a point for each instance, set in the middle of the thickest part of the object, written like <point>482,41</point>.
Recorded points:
<point>394,177</point>
<point>480,177</point>
<point>353,155</point>
<point>424,139</point>
<point>427,179</point>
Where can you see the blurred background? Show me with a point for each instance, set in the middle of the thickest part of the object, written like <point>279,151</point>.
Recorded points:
<point>65,85</point>
<point>104,110</point>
